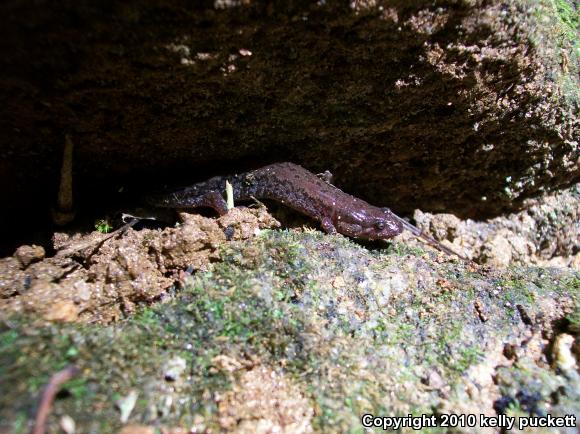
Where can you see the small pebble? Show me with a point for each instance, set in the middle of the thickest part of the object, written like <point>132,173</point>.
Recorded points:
<point>67,424</point>
<point>174,368</point>
<point>126,405</point>
<point>26,255</point>
<point>562,352</point>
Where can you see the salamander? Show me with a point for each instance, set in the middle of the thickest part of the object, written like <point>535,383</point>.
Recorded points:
<point>297,188</point>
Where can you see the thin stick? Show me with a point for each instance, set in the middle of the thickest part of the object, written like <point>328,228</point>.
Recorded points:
<point>430,240</point>
<point>48,395</point>
<point>64,213</point>
<point>65,192</point>
<point>98,243</point>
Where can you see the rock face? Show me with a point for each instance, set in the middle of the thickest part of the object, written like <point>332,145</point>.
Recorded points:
<point>546,233</point>
<point>459,106</point>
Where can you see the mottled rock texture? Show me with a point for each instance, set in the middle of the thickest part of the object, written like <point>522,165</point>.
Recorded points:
<point>465,106</point>
<point>300,332</point>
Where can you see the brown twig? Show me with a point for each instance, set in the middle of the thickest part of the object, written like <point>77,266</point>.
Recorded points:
<point>96,243</point>
<point>430,240</point>
<point>64,213</point>
<point>48,395</point>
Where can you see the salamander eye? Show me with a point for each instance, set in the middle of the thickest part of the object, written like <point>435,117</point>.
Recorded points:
<point>380,226</point>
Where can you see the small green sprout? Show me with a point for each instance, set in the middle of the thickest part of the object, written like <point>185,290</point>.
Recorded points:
<point>103,226</point>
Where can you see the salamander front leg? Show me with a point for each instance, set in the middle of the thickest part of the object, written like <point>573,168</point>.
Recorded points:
<point>328,226</point>
<point>215,200</point>
<point>326,176</point>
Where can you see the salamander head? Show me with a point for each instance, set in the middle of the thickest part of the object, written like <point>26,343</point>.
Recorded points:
<point>370,223</point>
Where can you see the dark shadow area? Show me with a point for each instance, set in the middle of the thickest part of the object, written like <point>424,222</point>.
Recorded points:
<point>156,93</point>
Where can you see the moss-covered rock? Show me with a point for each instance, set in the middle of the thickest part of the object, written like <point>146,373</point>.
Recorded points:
<point>300,332</point>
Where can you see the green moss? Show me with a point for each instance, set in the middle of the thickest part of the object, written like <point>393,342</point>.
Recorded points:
<point>362,345</point>
<point>78,388</point>
<point>523,286</point>
<point>569,18</point>
<point>468,356</point>
<point>7,339</point>
<point>402,249</point>
<point>19,426</point>
<point>557,41</point>
<point>557,18</point>
<point>572,285</point>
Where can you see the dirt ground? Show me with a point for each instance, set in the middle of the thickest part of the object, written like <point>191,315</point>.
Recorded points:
<point>96,277</point>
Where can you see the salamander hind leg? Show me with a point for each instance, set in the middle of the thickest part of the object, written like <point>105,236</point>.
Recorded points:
<point>328,226</point>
